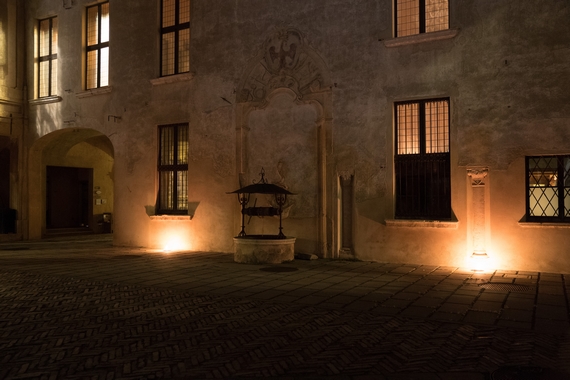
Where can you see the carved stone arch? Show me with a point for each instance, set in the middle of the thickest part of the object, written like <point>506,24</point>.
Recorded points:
<point>287,64</point>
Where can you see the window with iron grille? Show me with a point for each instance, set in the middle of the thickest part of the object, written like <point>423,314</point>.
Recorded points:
<point>47,57</point>
<point>97,46</point>
<point>173,169</point>
<point>422,161</point>
<point>175,37</point>
<point>548,188</point>
<point>420,16</point>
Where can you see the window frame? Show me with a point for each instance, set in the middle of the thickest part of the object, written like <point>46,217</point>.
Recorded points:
<point>420,162</point>
<point>560,189</point>
<point>421,20</point>
<point>99,46</point>
<point>176,28</point>
<point>173,168</point>
<point>51,58</point>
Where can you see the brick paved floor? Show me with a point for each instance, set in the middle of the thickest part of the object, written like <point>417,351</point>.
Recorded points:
<point>81,308</point>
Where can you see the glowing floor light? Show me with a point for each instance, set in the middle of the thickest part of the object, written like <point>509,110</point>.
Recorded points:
<point>481,262</point>
<point>174,243</point>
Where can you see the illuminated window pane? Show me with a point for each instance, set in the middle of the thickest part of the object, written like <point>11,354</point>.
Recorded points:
<point>437,15</point>
<point>422,160</point>
<point>182,190</point>
<point>168,13</point>
<point>54,24</point>
<point>183,144</point>
<point>184,51</point>
<point>44,78</point>
<point>92,26</point>
<point>408,17</point>
<point>175,37</point>
<point>437,127</point>
<point>415,16</point>
<point>168,54</point>
<point>104,22</point>
<point>97,60</point>
<point>548,188</point>
<point>47,57</point>
<point>173,169</point>
<point>408,129</point>
<point>166,190</point>
<point>92,59</point>
<point>44,37</point>
<point>104,72</point>
<point>184,11</point>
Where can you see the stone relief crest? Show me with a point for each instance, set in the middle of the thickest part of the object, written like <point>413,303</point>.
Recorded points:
<point>285,61</point>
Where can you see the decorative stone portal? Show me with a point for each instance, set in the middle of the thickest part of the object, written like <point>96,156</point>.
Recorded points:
<point>283,117</point>
<point>263,249</point>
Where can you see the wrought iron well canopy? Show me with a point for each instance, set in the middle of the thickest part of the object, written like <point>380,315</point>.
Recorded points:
<point>262,187</point>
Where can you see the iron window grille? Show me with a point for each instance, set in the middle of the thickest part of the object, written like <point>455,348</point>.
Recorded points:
<point>420,16</point>
<point>548,188</point>
<point>422,160</point>
<point>47,57</point>
<point>97,46</point>
<point>173,169</point>
<point>175,37</point>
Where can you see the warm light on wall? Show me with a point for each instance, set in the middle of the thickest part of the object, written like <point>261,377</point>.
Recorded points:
<point>481,262</point>
<point>174,243</point>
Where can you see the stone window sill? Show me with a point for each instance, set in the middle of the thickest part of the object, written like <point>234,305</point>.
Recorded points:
<point>172,79</point>
<point>422,37</point>
<point>422,223</point>
<point>170,217</point>
<point>94,92</point>
<point>544,225</point>
<point>45,100</point>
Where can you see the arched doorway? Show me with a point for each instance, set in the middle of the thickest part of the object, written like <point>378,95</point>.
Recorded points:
<point>71,183</point>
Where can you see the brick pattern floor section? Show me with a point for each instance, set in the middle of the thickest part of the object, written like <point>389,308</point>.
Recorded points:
<point>89,310</point>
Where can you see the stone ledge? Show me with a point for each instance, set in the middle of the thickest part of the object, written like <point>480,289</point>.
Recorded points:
<point>93,92</point>
<point>170,217</point>
<point>45,100</point>
<point>422,223</point>
<point>543,225</point>
<point>172,79</point>
<point>422,37</point>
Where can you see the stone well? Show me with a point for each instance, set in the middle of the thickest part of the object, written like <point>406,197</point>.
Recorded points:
<point>256,249</point>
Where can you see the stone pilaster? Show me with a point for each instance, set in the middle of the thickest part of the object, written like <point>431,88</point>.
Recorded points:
<point>479,217</point>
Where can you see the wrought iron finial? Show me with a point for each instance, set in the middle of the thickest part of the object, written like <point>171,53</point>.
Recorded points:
<point>262,180</point>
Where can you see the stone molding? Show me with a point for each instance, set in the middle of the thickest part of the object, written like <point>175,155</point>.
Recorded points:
<point>93,92</point>
<point>45,100</point>
<point>170,217</point>
<point>477,176</point>
<point>285,61</point>
<point>185,77</point>
<point>422,37</point>
<point>544,225</point>
<point>422,223</point>
<point>287,64</point>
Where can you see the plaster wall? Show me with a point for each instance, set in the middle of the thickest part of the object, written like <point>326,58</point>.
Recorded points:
<point>506,75</point>
<point>12,121</point>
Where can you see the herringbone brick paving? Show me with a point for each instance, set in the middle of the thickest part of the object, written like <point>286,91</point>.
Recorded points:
<point>89,310</point>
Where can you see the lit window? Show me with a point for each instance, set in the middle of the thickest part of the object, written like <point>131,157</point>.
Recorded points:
<point>548,188</point>
<point>421,16</point>
<point>422,161</point>
<point>47,57</point>
<point>175,37</point>
<point>173,169</point>
<point>97,60</point>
